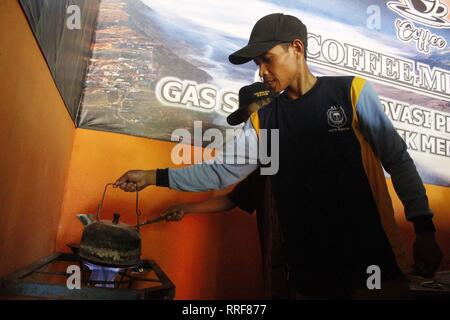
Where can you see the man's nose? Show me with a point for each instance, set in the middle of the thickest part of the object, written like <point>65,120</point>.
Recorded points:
<point>262,70</point>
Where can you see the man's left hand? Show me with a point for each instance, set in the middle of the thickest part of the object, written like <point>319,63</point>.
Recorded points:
<point>427,254</point>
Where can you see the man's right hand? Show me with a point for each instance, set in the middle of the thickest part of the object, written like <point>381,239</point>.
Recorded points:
<point>427,254</point>
<point>136,178</point>
<point>174,213</point>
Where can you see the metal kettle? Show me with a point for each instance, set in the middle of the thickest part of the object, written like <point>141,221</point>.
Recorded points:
<point>110,243</point>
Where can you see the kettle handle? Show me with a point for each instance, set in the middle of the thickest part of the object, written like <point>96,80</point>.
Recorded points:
<point>100,206</point>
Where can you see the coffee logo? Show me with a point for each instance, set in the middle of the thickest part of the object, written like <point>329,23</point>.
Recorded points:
<point>432,13</point>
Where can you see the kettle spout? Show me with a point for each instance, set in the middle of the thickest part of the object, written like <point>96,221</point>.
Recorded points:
<point>85,219</point>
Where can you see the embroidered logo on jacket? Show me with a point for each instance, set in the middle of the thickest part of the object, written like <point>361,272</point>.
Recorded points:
<point>336,118</point>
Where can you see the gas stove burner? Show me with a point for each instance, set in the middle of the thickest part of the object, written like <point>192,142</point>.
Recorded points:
<point>102,276</point>
<point>48,278</point>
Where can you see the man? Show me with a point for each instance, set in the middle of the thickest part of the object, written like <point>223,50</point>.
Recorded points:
<point>335,211</point>
<point>252,194</point>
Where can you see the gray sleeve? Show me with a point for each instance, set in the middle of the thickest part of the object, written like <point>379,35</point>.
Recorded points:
<point>390,148</point>
<point>224,170</point>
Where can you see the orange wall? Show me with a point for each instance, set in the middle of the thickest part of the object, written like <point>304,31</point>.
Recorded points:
<point>36,136</point>
<point>208,257</point>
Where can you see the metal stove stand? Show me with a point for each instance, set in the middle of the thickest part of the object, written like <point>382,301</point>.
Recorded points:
<point>47,279</point>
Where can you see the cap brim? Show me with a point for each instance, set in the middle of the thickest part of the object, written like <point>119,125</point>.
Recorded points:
<point>236,117</point>
<point>251,51</point>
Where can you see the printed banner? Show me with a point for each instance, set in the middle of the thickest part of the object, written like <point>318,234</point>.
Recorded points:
<point>160,65</point>
<point>64,30</point>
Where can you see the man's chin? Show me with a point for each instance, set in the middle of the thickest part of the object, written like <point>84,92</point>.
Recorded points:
<point>272,87</point>
<point>276,90</point>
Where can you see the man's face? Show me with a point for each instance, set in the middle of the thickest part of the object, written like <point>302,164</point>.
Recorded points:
<point>278,67</point>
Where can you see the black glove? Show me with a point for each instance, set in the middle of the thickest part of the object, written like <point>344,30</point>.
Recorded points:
<point>427,254</point>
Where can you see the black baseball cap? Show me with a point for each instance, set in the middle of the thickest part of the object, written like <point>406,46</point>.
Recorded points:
<point>268,32</point>
<point>247,95</point>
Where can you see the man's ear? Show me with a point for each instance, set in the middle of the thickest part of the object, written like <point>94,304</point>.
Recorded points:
<point>298,46</point>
